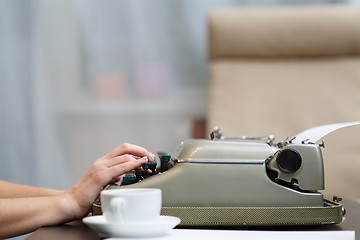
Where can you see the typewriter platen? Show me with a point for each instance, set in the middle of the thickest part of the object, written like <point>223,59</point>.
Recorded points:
<point>241,182</point>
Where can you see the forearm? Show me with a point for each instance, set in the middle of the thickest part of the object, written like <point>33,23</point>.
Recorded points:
<point>23,215</point>
<point>20,214</point>
<point>13,190</point>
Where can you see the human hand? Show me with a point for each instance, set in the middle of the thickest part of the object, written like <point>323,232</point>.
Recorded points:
<point>104,170</point>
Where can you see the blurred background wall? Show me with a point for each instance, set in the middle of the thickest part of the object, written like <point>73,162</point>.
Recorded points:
<point>78,78</point>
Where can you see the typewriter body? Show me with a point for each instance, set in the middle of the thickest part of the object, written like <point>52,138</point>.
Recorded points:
<point>240,182</point>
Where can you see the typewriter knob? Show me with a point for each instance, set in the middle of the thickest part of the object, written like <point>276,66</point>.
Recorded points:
<point>289,160</point>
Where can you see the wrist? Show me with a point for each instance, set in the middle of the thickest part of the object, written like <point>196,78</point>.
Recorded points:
<point>69,206</point>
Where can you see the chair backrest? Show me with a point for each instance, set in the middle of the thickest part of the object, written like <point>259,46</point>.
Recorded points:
<point>283,70</point>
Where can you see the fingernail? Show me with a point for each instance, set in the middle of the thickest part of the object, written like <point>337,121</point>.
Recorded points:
<point>152,157</point>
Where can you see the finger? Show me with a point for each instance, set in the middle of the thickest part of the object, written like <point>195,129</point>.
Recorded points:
<point>126,166</point>
<point>152,156</point>
<point>127,148</point>
<point>120,159</point>
<point>116,179</point>
<point>124,158</point>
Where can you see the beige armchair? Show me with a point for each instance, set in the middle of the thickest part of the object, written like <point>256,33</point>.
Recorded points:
<point>283,70</point>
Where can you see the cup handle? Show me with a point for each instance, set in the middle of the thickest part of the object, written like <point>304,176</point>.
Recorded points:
<point>118,204</point>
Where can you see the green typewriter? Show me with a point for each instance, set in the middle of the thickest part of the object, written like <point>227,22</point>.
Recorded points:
<point>237,181</point>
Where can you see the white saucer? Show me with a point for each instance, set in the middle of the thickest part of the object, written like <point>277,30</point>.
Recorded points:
<point>154,228</point>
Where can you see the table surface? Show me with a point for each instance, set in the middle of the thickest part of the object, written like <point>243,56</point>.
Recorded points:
<point>78,231</point>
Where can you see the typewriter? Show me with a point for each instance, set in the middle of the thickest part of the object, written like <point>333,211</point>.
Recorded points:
<point>242,181</point>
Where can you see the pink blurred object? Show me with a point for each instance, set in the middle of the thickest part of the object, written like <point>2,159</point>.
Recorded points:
<point>109,87</point>
<point>152,80</point>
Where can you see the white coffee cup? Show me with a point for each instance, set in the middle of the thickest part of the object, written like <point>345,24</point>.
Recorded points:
<point>131,205</point>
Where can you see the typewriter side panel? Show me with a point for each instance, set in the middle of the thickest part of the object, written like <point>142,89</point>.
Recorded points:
<point>225,185</point>
<point>310,175</point>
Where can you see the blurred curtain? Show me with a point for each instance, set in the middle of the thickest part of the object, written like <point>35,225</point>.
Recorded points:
<point>16,106</point>
<point>77,78</point>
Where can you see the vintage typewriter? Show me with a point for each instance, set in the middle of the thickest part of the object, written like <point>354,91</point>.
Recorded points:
<point>241,182</point>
